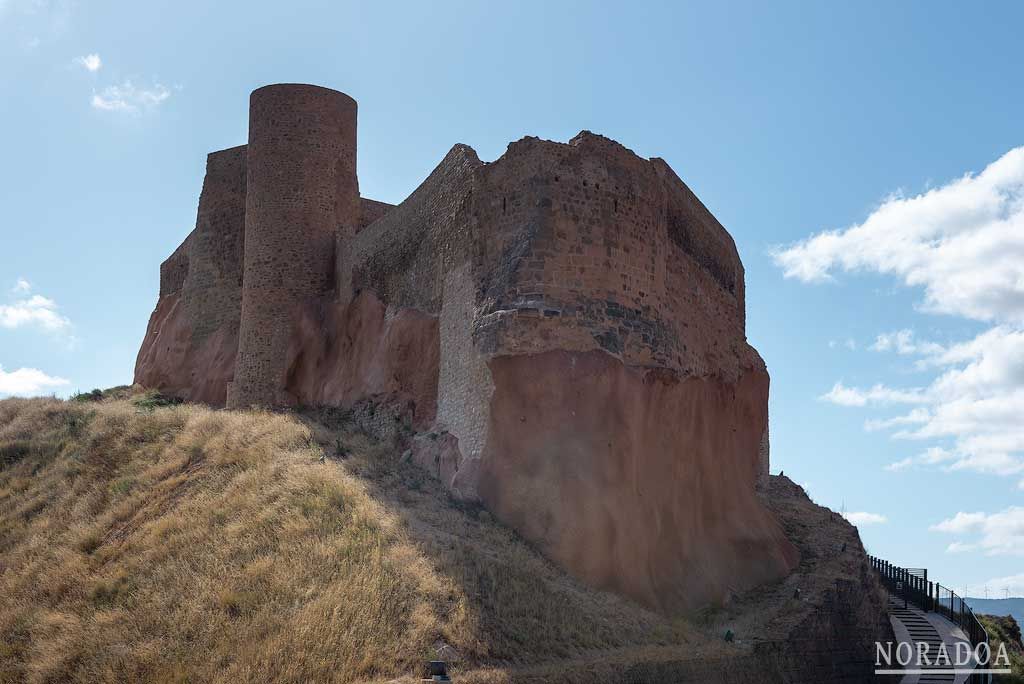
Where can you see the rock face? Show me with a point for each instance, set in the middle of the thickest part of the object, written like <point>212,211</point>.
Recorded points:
<point>566,323</point>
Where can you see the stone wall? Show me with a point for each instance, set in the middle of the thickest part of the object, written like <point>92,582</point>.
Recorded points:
<point>598,248</point>
<point>213,289</point>
<point>403,256</point>
<point>174,269</point>
<point>302,188</point>
<point>423,255</point>
<point>370,211</point>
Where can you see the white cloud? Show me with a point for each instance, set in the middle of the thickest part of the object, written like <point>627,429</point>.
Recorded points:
<point>879,394</point>
<point>903,342</point>
<point>91,62</point>
<point>963,244</point>
<point>915,417</point>
<point>28,310</point>
<point>864,518</point>
<point>977,401</point>
<point>849,343</point>
<point>127,97</point>
<point>996,533</point>
<point>27,382</point>
<point>960,523</point>
<point>931,456</point>
<point>902,464</point>
<point>33,310</point>
<point>960,547</point>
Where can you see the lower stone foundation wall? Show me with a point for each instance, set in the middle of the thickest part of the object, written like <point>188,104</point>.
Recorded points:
<point>465,386</point>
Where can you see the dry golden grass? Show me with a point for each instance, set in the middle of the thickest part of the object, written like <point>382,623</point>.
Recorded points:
<point>181,544</point>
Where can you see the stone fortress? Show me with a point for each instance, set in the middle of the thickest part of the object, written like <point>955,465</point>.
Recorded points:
<point>563,328</point>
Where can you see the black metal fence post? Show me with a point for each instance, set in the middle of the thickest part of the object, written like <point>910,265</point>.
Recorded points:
<point>903,582</point>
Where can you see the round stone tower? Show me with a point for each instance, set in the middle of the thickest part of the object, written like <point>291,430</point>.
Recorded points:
<point>301,187</point>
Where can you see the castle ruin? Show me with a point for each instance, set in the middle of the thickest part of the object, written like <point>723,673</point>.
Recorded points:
<point>563,328</point>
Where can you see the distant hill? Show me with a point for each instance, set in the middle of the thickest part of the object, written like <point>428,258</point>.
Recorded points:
<point>1003,606</point>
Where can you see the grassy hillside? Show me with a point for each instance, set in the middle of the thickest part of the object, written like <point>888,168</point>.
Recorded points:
<point>142,542</point>
<point>1005,630</point>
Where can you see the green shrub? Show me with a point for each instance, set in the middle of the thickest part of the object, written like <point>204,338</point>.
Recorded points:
<point>152,399</point>
<point>94,395</point>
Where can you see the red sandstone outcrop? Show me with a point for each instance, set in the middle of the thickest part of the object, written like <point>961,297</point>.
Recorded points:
<point>565,327</point>
<point>340,355</point>
<point>639,480</point>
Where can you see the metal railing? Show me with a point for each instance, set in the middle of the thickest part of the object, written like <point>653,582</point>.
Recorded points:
<point>913,586</point>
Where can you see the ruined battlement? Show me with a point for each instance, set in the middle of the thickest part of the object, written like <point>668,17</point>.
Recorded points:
<point>563,329</point>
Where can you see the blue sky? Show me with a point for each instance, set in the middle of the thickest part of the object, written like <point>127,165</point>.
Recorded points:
<point>876,121</point>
